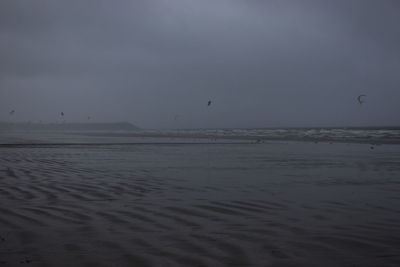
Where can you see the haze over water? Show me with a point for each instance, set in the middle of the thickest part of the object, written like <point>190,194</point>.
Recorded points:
<point>199,133</point>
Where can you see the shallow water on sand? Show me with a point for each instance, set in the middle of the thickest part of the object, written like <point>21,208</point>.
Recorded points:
<point>269,204</point>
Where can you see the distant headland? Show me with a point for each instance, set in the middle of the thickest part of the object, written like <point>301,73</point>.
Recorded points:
<point>95,126</point>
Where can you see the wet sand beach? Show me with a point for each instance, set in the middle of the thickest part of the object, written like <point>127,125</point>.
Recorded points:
<point>216,204</point>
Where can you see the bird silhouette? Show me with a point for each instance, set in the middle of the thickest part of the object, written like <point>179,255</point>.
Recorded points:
<point>359,98</point>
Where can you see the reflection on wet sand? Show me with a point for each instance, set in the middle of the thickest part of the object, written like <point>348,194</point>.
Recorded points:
<point>277,204</point>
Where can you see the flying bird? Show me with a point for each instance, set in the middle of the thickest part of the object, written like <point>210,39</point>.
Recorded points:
<point>62,113</point>
<point>209,103</point>
<point>360,100</point>
<point>12,112</point>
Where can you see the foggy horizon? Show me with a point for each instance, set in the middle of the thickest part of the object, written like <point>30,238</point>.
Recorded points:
<point>311,126</point>
<point>157,63</point>
<point>209,133</point>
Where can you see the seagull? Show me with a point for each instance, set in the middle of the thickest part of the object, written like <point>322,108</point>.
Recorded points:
<point>359,98</point>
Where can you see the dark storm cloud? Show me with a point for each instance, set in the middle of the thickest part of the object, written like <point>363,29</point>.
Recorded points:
<point>263,63</point>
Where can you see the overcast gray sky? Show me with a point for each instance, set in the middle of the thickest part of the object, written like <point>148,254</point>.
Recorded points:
<point>156,63</point>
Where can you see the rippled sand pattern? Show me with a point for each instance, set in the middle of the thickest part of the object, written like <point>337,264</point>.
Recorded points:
<point>215,205</point>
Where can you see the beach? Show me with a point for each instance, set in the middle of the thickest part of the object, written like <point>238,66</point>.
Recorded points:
<point>175,133</point>
<point>192,203</point>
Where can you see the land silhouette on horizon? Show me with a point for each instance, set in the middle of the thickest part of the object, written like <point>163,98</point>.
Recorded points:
<point>78,126</point>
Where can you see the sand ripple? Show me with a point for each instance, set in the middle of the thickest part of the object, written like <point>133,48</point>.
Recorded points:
<point>96,207</point>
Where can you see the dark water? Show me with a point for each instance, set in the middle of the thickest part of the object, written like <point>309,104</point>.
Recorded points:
<point>372,135</point>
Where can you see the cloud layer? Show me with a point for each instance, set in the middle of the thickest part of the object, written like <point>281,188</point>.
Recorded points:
<point>263,63</point>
